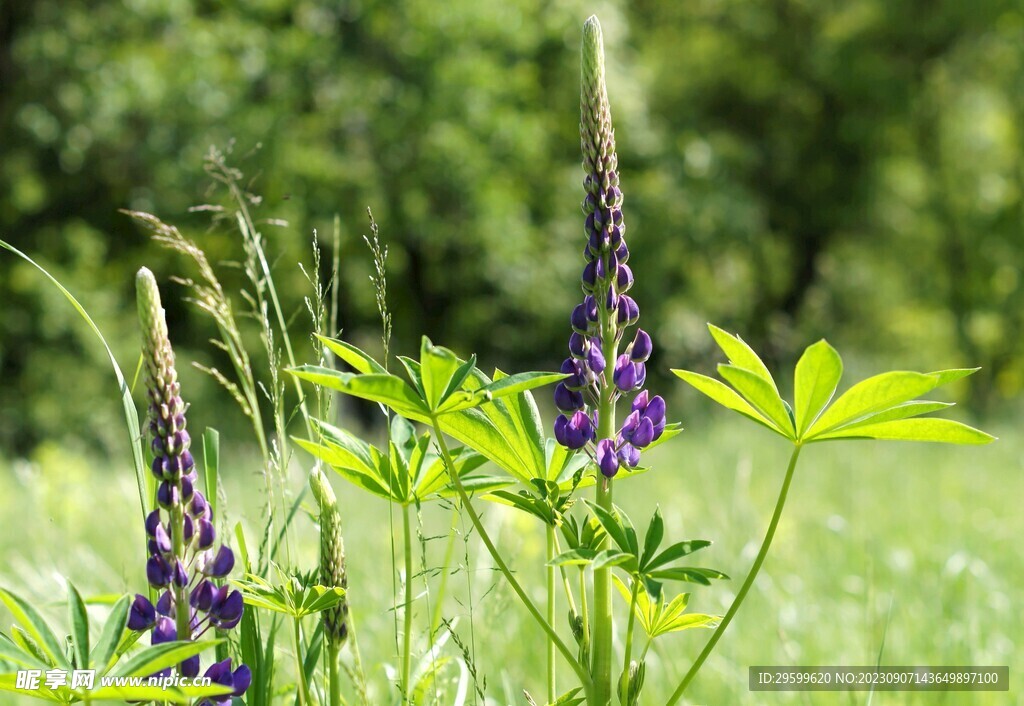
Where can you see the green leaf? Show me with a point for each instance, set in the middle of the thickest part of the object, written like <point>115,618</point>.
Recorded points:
<point>35,626</point>
<point>689,573</point>
<point>675,552</point>
<point>941,430</point>
<point>211,465</point>
<point>11,652</point>
<point>389,390</point>
<point>742,355</point>
<point>900,411</point>
<point>437,367</point>
<point>521,382</point>
<point>652,539</point>
<point>947,376</point>
<point>761,395</point>
<point>361,362</point>
<point>110,635</point>
<point>613,557</point>
<point>725,396</point>
<point>875,394</point>
<point>581,556</point>
<point>612,523</point>
<point>28,645</point>
<point>78,618</point>
<point>817,376</point>
<point>158,657</point>
<point>8,682</point>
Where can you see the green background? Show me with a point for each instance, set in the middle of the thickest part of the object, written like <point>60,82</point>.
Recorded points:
<point>791,170</point>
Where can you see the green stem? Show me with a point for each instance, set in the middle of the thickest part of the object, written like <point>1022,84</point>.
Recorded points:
<point>357,658</point>
<point>584,611</point>
<point>300,672</point>
<point>442,588</point>
<point>747,582</point>
<point>604,620</point>
<point>624,687</point>
<point>407,610</point>
<point>551,571</point>
<point>552,634</point>
<point>335,674</point>
<point>182,610</point>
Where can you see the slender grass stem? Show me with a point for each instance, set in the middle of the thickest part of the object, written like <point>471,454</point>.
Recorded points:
<point>551,571</point>
<point>747,582</point>
<point>628,655</point>
<point>360,675</point>
<point>303,691</point>
<point>565,579</point>
<point>435,620</point>
<point>584,612</point>
<point>548,628</point>
<point>407,609</point>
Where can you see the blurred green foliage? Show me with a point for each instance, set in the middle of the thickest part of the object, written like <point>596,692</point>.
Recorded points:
<point>791,169</point>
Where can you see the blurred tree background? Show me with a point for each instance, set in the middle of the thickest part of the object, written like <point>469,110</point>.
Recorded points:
<point>792,169</point>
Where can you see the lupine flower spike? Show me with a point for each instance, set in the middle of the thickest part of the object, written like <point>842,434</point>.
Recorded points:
<point>597,372</point>
<point>332,557</point>
<point>184,562</point>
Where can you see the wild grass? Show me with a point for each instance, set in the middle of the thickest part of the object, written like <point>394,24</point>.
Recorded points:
<point>917,542</point>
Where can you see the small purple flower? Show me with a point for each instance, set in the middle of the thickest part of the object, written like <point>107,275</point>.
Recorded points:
<point>221,564</point>
<point>567,400</point>
<point>142,614</point>
<point>606,458</point>
<point>574,432</point>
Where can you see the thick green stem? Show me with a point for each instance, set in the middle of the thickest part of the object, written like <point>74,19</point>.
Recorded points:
<point>299,671</point>
<point>407,610</point>
<point>548,628</point>
<point>335,674</point>
<point>182,609</point>
<point>604,621</point>
<point>551,571</point>
<point>747,582</point>
<point>624,677</point>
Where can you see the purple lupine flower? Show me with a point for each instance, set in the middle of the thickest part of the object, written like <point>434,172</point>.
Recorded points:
<point>181,535</point>
<point>598,374</point>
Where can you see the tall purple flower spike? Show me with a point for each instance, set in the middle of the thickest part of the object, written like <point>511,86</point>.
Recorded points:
<point>183,562</point>
<point>597,371</point>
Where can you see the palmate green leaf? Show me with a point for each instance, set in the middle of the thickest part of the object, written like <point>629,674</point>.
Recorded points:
<point>158,657</point>
<point>290,598</point>
<point>652,539</point>
<point>110,635</point>
<point>316,599</point>
<point>675,552</point>
<point>941,430</point>
<point>761,394</point>
<point>8,682</point>
<point>437,368</point>
<point>525,502</point>
<point>78,619</point>
<point>35,626</point>
<point>613,557</point>
<point>28,645</point>
<point>386,389</point>
<point>725,396</point>
<point>11,652</point>
<point>872,395</point>
<point>612,522</point>
<point>900,411</point>
<point>817,375</point>
<point>361,362</point>
<point>692,574</point>
<point>742,355</point>
<point>580,556</point>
